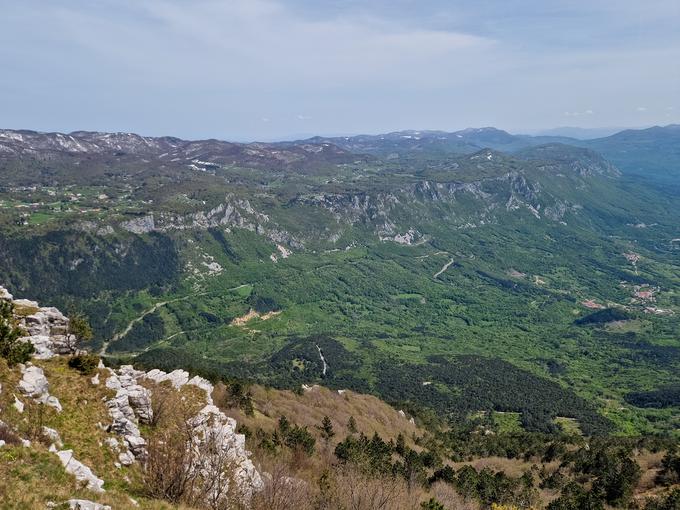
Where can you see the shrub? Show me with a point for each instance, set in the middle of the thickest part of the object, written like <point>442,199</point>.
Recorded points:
<point>80,328</point>
<point>85,363</point>
<point>11,348</point>
<point>8,436</point>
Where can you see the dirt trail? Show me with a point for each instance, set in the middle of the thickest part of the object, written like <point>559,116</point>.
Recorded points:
<point>446,266</point>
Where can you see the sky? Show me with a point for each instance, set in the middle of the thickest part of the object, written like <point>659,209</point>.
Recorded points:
<point>276,69</point>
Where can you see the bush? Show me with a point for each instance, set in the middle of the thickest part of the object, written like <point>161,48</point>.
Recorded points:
<point>80,328</point>
<point>85,363</point>
<point>11,348</point>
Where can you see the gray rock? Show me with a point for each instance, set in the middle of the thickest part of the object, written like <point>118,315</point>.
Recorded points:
<point>140,402</point>
<point>34,384</point>
<point>18,404</point>
<point>4,294</point>
<point>53,436</point>
<point>126,458</point>
<point>82,473</point>
<point>85,504</point>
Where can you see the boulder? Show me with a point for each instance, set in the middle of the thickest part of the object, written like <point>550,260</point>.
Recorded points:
<point>82,473</point>
<point>4,294</point>
<point>126,458</point>
<point>53,436</point>
<point>34,384</point>
<point>85,504</point>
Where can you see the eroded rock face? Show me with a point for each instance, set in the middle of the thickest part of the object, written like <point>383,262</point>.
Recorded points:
<point>130,406</point>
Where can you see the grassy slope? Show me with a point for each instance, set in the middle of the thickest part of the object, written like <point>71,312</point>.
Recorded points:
<point>31,477</point>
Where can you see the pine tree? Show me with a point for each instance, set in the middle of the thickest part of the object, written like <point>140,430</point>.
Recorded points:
<point>326,428</point>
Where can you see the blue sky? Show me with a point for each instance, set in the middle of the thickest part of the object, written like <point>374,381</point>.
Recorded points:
<point>270,69</point>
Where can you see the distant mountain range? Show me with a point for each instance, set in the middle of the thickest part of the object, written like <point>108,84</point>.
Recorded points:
<point>580,133</point>
<point>653,152</point>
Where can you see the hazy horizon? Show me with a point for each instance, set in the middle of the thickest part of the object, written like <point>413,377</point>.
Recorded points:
<point>274,69</point>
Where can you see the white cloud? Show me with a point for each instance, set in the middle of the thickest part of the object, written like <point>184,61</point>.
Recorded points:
<point>579,114</point>
<point>641,108</point>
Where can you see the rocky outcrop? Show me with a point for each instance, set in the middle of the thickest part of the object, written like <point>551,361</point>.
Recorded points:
<point>212,428</point>
<point>132,405</point>
<point>141,225</point>
<point>85,504</point>
<point>82,473</point>
<point>45,327</point>
<point>34,384</point>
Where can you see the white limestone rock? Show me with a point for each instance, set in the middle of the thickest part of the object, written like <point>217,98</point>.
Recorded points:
<point>112,443</point>
<point>139,399</point>
<point>177,378</point>
<point>85,504</point>
<point>18,405</point>
<point>203,384</point>
<point>4,294</point>
<point>82,473</point>
<point>212,423</point>
<point>25,303</point>
<point>53,436</point>
<point>126,458</point>
<point>34,384</point>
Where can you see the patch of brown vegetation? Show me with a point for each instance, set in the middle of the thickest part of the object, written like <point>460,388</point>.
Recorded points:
<point>308,409</point>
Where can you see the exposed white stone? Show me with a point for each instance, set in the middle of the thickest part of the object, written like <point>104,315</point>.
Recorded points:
<point>34,384</point>
<point>177,378</point>
<point>95,380</point>
<point>112,443</point>
<point>53,436</point>
<point>81,472</point>
<point>4,294</point>
<point>140,402</point>
<point>2,443</point>
<point>18,404</point>
<point>85,504</point>
<point>25,303</point>
<point>126,458</point>
<point>203,384</point>
<point>213,425</point>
